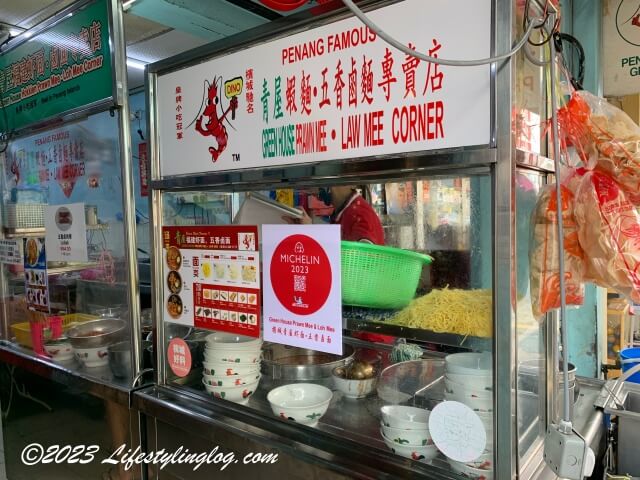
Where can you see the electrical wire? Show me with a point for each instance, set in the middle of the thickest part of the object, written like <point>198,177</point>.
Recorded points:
<point>441,61</point>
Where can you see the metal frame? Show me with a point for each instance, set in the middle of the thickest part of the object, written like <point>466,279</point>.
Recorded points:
<point>500,158</point>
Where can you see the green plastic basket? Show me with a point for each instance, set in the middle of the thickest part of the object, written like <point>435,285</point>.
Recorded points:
<point>380,277</point>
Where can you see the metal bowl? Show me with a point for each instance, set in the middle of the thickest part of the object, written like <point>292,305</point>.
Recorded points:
<point>120,359</point>
<point>97,333</point>
<point>294,364</point>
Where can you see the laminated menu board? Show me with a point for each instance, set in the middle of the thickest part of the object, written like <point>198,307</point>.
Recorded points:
<point>36,283</point>
<point>212,277</point>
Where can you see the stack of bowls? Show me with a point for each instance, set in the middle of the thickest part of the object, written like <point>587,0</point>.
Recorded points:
<point>468,379</point>
<point>231,366</point>
<point>405,430</point>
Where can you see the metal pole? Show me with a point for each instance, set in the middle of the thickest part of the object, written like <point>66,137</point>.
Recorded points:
<point>128,196</point>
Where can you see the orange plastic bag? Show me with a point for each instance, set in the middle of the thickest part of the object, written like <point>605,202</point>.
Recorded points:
<point>609,233</point>
<point>544,256</point>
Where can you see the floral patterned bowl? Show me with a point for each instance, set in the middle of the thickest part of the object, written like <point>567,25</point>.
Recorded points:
<point>222,369</point>
<point>232,381</point>
<point>239,394</point>
<point>419,453</point>
<point>229,356</point>
<point>407,437</point>
<point>303,403</point>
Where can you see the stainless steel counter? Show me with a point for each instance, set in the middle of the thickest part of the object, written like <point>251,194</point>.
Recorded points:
<point>346,440</point>
<point>98,382</point>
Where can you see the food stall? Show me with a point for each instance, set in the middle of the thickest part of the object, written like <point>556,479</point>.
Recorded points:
<point>373,372</point>
<point>70,329</point>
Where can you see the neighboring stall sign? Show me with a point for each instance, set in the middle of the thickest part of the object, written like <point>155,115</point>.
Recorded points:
<point>144,171</point>
<point>66,232</point>
<point>36,282</point>
<point>10,252</point>
<point>302,286</point>
<point>58,162</point>
<point>64,67</point>
<point>212,277</point>
<point>333,92</point>
<point>621,54</point>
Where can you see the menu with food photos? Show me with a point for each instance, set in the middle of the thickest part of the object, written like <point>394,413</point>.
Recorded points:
<point>212,277</point>
<point>36,282</point>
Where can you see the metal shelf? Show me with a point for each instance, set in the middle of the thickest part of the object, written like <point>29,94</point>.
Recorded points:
<point>41,231</point>
<point>353,322</point>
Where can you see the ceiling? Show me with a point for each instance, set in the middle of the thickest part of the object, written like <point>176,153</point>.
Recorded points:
<point>155,29</point>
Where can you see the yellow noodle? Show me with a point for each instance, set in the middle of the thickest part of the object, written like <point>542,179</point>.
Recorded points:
<point>463,312</point>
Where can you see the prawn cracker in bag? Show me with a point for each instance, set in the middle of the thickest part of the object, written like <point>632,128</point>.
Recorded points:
<point>615,136</point>
<point>544,255</point>
<point>609,233</point>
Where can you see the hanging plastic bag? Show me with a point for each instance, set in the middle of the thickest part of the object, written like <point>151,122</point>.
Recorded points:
<point>606,139</point>
<point>544,255</point>
<point>609,233</point>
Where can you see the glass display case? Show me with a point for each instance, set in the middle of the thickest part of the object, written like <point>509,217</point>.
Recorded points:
<point>468,208</point>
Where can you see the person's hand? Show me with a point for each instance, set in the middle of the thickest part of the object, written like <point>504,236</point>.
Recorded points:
<point>305,220</point>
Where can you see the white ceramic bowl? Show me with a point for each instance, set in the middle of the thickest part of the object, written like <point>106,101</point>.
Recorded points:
<point>408,418</point>
<point>483,462</point>
<point>454,387</point>
<point>471,472</point>
<point>231,356</point>
<point>230,341</point>
<point>232,381</point>
<point>59,351</point>
<point>407,437</point>
<point>300,402</point>
<point>239,394</point>
<point>476,380</point>
<point>351,388</point>
<point>219,369</point>
<point>418,453</point>
<point>479,404</point>
<point>487,421</point>
<point>92,357</point>
<point>468,363</point>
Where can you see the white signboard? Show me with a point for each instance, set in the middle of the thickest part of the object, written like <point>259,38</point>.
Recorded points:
<point>302,299</point>
<point>333,92</point>
<point>621,54</point>
<point>66,233</point>
<point>10,252</point>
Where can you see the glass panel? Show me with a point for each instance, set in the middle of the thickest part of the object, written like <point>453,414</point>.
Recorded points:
<point>530,337</point>
<point>448,218</point>
<point>76,163</point>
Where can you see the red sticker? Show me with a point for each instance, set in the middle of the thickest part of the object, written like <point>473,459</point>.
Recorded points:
<point>179,357</point>
<point>303,274</point>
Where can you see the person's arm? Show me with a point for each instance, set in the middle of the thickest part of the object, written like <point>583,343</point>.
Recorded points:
<point>304,220</point>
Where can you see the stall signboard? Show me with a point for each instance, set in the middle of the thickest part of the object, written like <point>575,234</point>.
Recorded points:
<point>36,281</point>
<point>66,232</point>
<point>621,53</point>
<point>333,92</point>
<point>10,252</point>
<point>212,277</point>
<point>59,69</point>
<point>302,286</point>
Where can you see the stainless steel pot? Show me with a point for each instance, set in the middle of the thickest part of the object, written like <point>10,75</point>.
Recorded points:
<point>97,333</point>
<point>285,364</point>
<point>120,359</point>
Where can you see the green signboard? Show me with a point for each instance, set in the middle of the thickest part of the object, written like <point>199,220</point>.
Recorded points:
<point>61,68</point>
